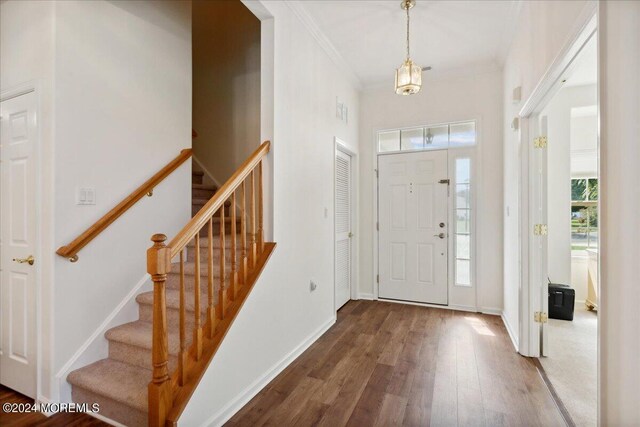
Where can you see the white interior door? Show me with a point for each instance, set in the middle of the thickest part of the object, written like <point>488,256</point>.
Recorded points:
<point>18,239</point>
<point>343,230</point>
<point>412,215</point>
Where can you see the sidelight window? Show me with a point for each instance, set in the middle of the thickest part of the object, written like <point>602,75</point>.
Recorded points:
<point>462,225</point>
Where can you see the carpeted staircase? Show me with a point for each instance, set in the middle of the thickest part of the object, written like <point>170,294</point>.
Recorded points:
<point>119,383</point>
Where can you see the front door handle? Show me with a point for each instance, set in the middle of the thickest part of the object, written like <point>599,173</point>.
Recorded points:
<point>441,235</point>
<point>29,260</point>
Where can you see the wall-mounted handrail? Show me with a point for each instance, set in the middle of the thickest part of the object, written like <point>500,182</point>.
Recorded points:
<point>71,250</point>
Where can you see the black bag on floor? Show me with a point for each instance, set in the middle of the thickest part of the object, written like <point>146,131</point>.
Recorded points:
<point>561,301</point>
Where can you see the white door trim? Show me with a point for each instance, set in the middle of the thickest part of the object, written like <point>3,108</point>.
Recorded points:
<point>340,145</point>
<point>550,83</point>
<point>5,95</point>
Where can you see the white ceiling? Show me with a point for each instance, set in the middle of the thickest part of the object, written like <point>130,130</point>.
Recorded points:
<point>446,35</point>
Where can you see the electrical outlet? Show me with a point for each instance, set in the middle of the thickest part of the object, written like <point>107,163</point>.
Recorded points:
<point>312,286</point>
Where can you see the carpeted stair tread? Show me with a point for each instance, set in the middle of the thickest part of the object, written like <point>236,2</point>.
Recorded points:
<point>203,200</point>
<point>120,381</point>
<point>140,334</point>
<point>173,299</point>
<point>204,187</point>
<point>116,380</point>
<point>204,241</point>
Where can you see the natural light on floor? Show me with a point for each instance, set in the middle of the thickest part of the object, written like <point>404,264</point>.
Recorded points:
<point>479,326</point>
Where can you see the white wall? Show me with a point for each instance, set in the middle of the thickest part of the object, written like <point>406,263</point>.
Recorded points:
<point>27,55</point>
<point>281,313</point>
<point>542,29</point>
<point>559,161</point>
<point>619,92</point>
<point>226,85</point>
<point>121,74</point>
<point>123,111</point>
<point>441,100</point>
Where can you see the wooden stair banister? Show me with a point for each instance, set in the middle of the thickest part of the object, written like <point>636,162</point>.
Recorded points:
<point>168,393</point>
<point>71,250</point>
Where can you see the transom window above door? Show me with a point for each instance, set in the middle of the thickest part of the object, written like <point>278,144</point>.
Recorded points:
<point>431,137</point>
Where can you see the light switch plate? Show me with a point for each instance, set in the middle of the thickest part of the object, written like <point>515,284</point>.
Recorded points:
<point>86,196</point>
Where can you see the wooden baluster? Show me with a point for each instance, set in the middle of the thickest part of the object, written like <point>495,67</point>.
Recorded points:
<point>260,211</point>
<point>182,357</point>
<point>252,204</point>
<point>222,292</point>
<point>243,232</point>
<point>211,310</point>
<point>197,330</point>
<point>233,280</point>
<point>159,390</point>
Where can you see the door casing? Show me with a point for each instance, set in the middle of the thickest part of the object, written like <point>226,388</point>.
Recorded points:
<point>532,273</point>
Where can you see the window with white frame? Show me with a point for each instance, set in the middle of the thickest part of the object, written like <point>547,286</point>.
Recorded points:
<point>462,225</point>
<point>432,137</point>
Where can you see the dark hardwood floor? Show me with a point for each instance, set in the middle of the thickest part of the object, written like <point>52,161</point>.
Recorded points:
<point>385,364</point>
<point>37,419</point>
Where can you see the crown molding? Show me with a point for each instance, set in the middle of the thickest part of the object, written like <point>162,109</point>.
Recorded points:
<point>303,15</point>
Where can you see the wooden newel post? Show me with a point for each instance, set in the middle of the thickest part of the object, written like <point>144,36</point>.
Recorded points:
<point>158,265</point>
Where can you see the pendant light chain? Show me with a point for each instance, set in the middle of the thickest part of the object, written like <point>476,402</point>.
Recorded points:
<point>409,75</point>
<point>407,8</point>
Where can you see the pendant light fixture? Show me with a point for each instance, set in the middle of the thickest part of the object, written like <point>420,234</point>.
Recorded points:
<point>409,75</point>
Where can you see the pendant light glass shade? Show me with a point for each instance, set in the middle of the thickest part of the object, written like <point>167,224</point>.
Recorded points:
<point>409,75</point>
<point>408,78</point>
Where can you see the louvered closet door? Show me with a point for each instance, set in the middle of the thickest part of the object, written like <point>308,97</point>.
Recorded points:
<point>343,248</point>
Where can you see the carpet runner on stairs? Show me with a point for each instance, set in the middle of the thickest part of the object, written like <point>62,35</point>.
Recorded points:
<point>119,383</point>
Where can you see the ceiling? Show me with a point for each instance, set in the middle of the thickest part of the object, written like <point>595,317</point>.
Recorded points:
<point>446,35</point>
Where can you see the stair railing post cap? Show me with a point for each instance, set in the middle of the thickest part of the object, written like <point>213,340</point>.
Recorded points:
<point>158,238</point>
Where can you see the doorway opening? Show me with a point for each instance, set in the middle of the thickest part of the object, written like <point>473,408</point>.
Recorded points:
<point>560,234</point>
<point>570,342</point>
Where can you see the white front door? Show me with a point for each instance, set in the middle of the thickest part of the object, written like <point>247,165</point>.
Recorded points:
<point>412,214</point>
<point>343,237</point>
<point>18,237</point>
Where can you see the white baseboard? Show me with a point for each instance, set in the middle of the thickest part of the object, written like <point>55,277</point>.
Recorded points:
<point>96,347</point>
<point>514,341</point>
<point>223,415</point>
<point>491,310</point>
<point>365,296</point>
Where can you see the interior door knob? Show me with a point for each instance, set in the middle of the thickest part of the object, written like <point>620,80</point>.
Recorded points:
<point>441,235</point>
<point>29,260</point>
